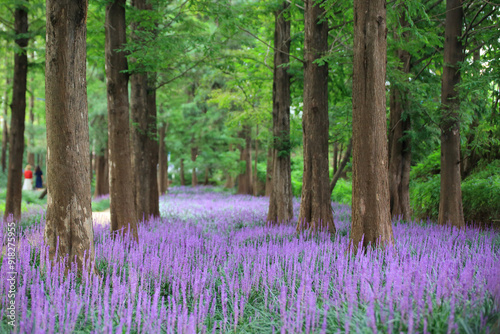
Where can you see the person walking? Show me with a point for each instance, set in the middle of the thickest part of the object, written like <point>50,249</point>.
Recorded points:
<point>38,178</point>
<point>28,178</point>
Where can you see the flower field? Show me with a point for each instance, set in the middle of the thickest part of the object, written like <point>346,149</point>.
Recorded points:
<point>211,265</point>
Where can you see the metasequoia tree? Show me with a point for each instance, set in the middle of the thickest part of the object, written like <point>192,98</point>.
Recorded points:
<point>68,228</point>
<point>371,218</point>
<point>315,206</point>
<point>280,202</point>
<point>450,201</point>
<point>18,108</point>
<point>101,172</point>
<point>245,178</point>
<point>399,141</point>
<point>122,204</point>
<point>144,132</point>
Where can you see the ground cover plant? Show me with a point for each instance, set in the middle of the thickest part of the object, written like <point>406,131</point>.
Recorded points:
<point>211,264</point>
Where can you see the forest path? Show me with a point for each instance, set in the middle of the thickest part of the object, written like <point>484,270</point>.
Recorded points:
<point>101,217</point>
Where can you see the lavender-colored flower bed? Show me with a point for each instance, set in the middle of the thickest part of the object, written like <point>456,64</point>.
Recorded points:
<point>210,265</point>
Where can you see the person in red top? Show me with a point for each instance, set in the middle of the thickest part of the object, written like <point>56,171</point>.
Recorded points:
<point>28,178</point>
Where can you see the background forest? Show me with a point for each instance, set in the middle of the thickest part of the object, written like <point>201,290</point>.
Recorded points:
<point>267,166</point>
<point>214,73</point>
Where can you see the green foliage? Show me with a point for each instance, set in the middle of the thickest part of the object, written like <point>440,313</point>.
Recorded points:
<point>100,205</point>
<point>342,193</point>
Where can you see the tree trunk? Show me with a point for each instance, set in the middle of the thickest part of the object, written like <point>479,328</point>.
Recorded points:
<point>18,112</point>
<point>269,171</point>
<point>450,202</point>
<point>183,179</point>
<point>101,174</point>
<point>68,227</point>
<point>31,144</point>
<point>5,129</point>
<point>371,216</point>
<point>280,203</point>
<point>256,160</point>
<point>399,141</point>
<point>245,179</point>
<point>162,161</point>
<point>335,158</point>
<point>194,178</point>
<point>122,204</point>
<point>315,207</point>
<point>206,176</point>
<point>145,145</point>
<point>343,163</point>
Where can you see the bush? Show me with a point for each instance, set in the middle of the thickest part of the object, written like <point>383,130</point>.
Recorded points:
<point>480,194</point>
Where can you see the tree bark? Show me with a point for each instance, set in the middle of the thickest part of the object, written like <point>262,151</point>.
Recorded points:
<point>68,228</point>
<point>343,163</point>
<point>145,145</point>
<point>269,171</point>
<point>280,203</point>
<point>122,204</point>
<point>194,177</point>
<point>101,174</point>
<point>245,179</point>
<point>256,161</point>
<point>5,129</point>
<point>335,158</point>
<point>183,179</point>
<point>450,202</point>
<point>399,141</point>
<point>315,207</point>
<point>162,161</point>
<point>371,217</point>
<point>18,114</point>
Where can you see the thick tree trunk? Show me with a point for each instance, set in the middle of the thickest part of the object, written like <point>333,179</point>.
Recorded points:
<point>162,161</point>
<point>450,203</point>
<point>194,177</point>
<point>245,179</point>
<point>122,204</point>
<point>280,203</point>
<point>18,112</point>
<point>101,174</point>
<point>269,171</point>
<point>315,207</point>
<point>68,227</point>
<point>371,217</point>
<point>145,145</point>
<point>183,179</point>
<point>399,141</point>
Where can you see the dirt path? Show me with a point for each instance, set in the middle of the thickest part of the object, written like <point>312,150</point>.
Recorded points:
<point>101,217</point>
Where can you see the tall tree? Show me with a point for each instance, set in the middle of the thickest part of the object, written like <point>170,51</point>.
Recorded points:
<point>162,160</point>
<point>280,202</point>
<point>399,140</point>
<point>122,204</point>
<point>315,206</point>
<point>68,228</point>
<point>450,202</point>
<point>245,177</point>
<point>371,218</point>
<point>18,109</point>
<point>101,172</point>
<point>144,132</point>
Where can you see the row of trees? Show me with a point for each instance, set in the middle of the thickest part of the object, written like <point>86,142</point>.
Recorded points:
<point>211,52</point>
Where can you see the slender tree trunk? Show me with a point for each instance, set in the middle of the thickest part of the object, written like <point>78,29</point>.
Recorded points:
<point>450,203</point>
<point>18,112</point>
<point>5,130</point>
<point>183,179</point>
<point>343,163</point>
<point>145,145</point>
<point>256,160</point>
<point>162,161</point>
<point>399,141</point>
<point>207,171</point>
<point>269,171</point>
<point>280,203</point>
<point>245,179</point>
<point>122,205</point>
<point>68,227</point>
<point>335,153</point>
<point>371,217</point>
<point>194,154</point>
<point>315,207</point>
<point>229,178</point>
<point>101,174</point>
